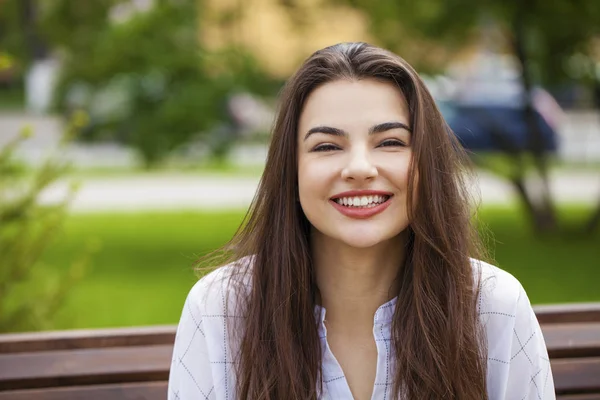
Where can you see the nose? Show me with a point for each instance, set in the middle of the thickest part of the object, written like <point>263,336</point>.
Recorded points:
<point>359,166</point>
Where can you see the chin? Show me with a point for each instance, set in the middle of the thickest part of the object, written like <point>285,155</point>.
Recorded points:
<point>369,239</point>
<point>362,243</point>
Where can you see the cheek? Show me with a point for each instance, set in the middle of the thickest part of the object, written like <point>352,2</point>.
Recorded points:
<point>398,171</point>
<point>314,173</point>
<point>303,177</point>
<point>309,181</point>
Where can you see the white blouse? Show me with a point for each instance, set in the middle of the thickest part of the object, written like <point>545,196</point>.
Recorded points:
<point>518,364</point>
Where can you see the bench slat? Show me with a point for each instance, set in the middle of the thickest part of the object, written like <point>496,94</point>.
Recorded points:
<point>144,336</point>
<point>125,391</point>
<point>151,363</point>
<point>129,363</point>
<point>563,340</point>
<point>572,340</point>
<point>85,339</point>
<point>573,376</point>
<point>563,313</point>
<point>85,367</point>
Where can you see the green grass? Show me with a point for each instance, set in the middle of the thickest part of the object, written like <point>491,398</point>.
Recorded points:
<point>145,266</point>
<point>555,269</point>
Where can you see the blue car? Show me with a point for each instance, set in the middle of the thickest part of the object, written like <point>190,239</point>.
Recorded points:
<point>483,101</point>
<point>497,128</point>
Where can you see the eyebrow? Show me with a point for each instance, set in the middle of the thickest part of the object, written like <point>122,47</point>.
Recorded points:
<point>379,128</point>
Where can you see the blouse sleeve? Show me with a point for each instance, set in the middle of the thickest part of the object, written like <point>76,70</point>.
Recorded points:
<point>190,375</point>
<point>530,375</point>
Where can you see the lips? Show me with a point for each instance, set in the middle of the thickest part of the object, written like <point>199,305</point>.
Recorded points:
<point>360,193</point>
<point>361,204</point>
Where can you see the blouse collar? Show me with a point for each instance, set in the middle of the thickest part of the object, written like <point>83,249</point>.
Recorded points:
<point>383,315</point>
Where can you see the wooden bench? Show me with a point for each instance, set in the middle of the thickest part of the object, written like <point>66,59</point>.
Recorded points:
<point>133,363</point>
<point>572,334</point>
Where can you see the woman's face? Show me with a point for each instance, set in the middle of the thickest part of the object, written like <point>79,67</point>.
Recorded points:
<point>354,151</point>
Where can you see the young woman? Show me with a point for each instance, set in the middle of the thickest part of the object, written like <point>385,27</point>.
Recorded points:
<point>352,276</point>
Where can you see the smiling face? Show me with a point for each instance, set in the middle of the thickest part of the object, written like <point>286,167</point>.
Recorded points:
<point>354,153</point>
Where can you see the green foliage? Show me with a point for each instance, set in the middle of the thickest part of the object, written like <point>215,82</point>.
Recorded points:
<point>30,294</point>
<point>144,76</point>
<point>145,80</point>
<point>74,25</point>
<point>418,30</point>
<point>556,31</point>
<point>12,34</point>
<point>561,35</point>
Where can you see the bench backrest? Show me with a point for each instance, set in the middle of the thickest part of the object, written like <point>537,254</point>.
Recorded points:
<point>133,363</point>
<point>130,363</point>
<point>572,335</point>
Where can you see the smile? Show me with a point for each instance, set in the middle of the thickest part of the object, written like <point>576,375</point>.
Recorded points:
<point>361,207</point>
<point>362,201</point>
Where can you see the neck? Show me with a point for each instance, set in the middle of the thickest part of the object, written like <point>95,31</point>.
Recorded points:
<point>354,282</point>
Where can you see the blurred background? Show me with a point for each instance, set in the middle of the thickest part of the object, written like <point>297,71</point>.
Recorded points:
<point>133,134</point>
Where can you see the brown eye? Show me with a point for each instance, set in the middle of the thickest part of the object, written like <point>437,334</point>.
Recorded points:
<point>325,147</point>
<point>392,142</point>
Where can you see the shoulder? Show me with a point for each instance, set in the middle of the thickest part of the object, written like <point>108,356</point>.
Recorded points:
<point>503,305</point>
<point>202,352</point>
<point>496,284</point>
<point>517,358</point>
<point>498,289</point>
<point>214,293</point>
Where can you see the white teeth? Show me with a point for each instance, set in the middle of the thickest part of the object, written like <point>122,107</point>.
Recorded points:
<point>361,201</point>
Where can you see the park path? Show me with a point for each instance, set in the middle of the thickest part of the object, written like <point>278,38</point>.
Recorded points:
<point>192,192</point>
<point>580,137</point>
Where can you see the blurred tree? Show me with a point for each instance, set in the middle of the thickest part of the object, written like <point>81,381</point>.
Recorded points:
<point>553,42</point>
<point>12,34</point>
<point>19,40</point>
<point>30,295</point>
<point>141,71</point>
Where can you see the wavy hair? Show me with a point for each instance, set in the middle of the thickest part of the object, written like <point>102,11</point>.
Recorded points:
<point>440,351</point>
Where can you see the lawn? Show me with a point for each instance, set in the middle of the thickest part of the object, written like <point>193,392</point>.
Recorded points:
<point>556,269</point>
<point>144,268</point>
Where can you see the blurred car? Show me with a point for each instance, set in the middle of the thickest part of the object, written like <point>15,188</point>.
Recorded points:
<point>491,127</point>
<point>485,107</point>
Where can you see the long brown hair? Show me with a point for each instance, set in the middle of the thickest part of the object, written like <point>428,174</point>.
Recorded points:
<point>439,346</point>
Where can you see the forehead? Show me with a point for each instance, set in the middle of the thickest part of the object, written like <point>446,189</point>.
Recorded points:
<point>349,104</point>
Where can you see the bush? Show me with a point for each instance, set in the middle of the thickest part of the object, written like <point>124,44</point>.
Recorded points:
<point>29,293</point>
